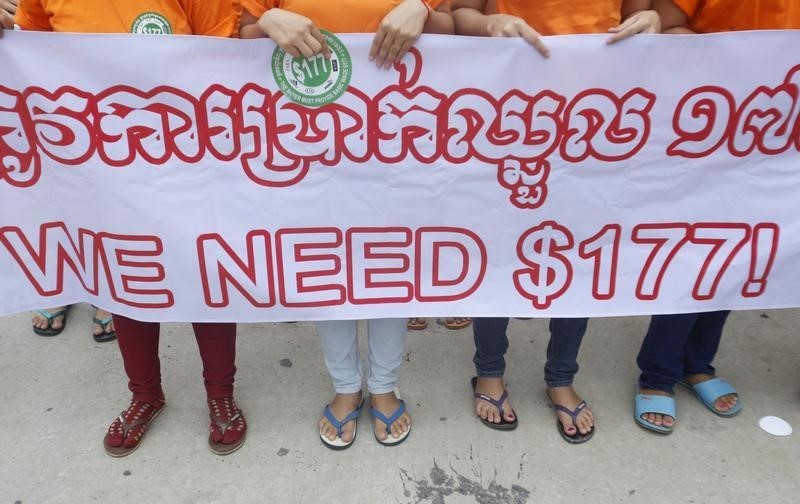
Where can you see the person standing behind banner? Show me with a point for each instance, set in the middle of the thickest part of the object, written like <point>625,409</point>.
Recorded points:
<point>52,321</point>
<point>680,348</point>
<point>138,341</point>
<point>7,10</point>
<point>530,20</point>
<point>295,26</point>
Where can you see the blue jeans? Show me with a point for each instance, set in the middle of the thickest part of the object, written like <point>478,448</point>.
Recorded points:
<point>679,345</point>
<point>566,334</point>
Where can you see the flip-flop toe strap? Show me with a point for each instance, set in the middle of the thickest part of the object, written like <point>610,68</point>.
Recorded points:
<point>497,403</point>
<point>339,424</point>
<point>391,419</point>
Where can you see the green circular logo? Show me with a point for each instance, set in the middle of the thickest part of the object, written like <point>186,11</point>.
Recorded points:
<point>317,80</point>
<point>151,23</point>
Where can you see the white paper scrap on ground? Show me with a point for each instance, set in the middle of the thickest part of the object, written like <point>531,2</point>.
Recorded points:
<point>775,426</point>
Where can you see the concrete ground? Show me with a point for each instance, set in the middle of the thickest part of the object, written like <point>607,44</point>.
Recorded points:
<point>59,394</point>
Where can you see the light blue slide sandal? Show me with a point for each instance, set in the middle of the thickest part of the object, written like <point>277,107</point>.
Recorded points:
<point>709,391</point>
<point>646,403</point>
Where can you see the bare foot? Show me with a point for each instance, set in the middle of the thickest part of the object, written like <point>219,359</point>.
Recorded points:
<point>388,404</point>
<point>417,324</point>
<point>494,388</point>
<point>457,322</point>
<point>724,403</point>
<point>41,322</point>
<point>341,406</point>
<point>98,329</point>
<point>567,397</point>
<point>657,418</point>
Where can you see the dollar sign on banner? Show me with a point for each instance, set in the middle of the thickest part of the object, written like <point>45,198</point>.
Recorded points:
<point>549,272</point>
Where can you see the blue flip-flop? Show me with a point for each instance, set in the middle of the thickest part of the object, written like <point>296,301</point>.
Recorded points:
<point>390,440</point>
<point>338,443</point>
<point>709,391</point>
<point>647,403</point>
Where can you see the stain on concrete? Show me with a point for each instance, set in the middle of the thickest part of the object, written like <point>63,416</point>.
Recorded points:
<point>407,357</point>
<point>631,492</point>
<point>17,502</point>
<point>282,452</point>
<point>126,472</point>
<point>764,315</point>
<point>443,419</point>
<point>49,409</point>
<point>286,363</point>
<point>442,483</point>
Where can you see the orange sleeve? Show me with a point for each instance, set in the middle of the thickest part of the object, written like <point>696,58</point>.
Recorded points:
<point>31,16</point>
<point>436,3</point>
<point>215,19</point>
<point>689,7</point>
<point>258,7</point>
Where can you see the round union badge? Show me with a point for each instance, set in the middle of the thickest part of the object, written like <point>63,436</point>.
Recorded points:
<point>151,23</point>
<point>314,81</point>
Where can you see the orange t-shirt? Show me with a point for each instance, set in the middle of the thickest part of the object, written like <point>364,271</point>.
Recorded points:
<point>342,16</point>
<point>562,17</point>
<point>185,17</point>
<point>732,15</point>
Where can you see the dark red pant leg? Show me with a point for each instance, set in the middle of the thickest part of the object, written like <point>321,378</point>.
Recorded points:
<point>138,343</point>
<point>217,344</point>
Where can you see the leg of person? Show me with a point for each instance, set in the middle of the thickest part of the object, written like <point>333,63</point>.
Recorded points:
<point>661,361</point>
<point>387,342</point>
<point>575,421</point>
<point>701,348</point>
<point>217,345</point>
<point>488,387</point>
<point>339,342</point>
<point>138,344</point>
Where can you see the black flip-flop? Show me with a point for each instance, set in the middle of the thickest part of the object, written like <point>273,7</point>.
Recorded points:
<point>50,317</point>
<point>105,336</point>
<point>576,438</point>
<point>503,425</point>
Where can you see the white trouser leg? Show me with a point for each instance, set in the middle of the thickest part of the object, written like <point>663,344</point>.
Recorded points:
<point>340,350</point>
<point>387,342</point>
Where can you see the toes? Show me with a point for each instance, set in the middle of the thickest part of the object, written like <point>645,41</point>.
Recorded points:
<point>380,430</point>
<point>668,421</point>
<point>584,424</point>
<point>726,403</point>
<point>401,425</point>
<point>567,424</point>
<point>327,430</point>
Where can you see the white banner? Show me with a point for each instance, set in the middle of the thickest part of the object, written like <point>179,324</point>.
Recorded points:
<point>168,178</point>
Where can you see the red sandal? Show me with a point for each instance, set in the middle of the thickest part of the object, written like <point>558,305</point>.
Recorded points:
<point>228,426</point>
<point>126,432</point>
